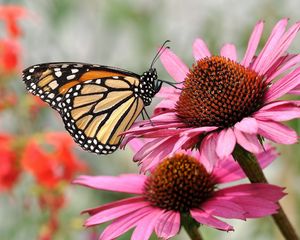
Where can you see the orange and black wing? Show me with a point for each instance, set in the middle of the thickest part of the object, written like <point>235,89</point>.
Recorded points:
<point>96,103</point>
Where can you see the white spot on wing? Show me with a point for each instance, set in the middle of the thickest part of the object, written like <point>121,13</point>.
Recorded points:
<point>53,84</point>
<point>58,74</point>
<point>70,77</point>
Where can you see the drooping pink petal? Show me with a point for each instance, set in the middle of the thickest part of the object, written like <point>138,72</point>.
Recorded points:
<point>223,208</point>
<point>208,150</point>
<point>128,183</point>
<point>255,190</point>
<point>168,225</point>
<point>225,143</point>
<point>283,85</point>
<point>282,46</point>
<point>124,223</point>
<point>229,170</point>
<point>257,207</point>
<point>146,226</point>
<point>116,212</point>
<point>278,111</point>
<point>272,42</point>
<point>229,51</point>
<point>256,199</point>
<point>247,125</point>
<point>172,145</point>
<point>253,43</point>
<point>92,211</point>
<point>200,49</point>
<point>277,132</point>
<point>248,141</point>
<point>174,66</point>
<point>206,219</point>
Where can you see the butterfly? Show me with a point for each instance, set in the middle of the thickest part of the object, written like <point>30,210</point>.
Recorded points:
<point>96,103</point>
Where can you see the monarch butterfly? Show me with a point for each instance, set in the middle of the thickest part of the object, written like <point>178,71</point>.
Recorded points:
<point>96,102</point>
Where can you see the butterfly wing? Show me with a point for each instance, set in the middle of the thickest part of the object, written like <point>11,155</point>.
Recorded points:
<point>97,111</point>
<point>51,81</point>
<point>96,103</point>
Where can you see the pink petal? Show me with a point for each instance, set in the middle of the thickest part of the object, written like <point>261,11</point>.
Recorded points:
<point>200,50</point>
<point>287,65</point>
<point>256,199</point>
<point>277,132</point>
<point>248,141</point>
<point>247,125</point>
<point>257,207</point>
<point>283,85</point>
<point>208,150</point>
<point>229,170</point>
<point>253,43</point>
<point>206,219</point>
<point>229,51</point>
<point>128,183</point>
<point>169,93</point>
<point>278,111</point>
<point>254,190</point>
<point>146,225</point>
<point>283,45</point>
<point>225,143</point>
<point>223,208</point>
<point>272,42</point>
<point>123,224</point>
<point>93,211</point>
<point>136,144</point>
<point>116,212</point>
<point>174,66</point>
<point>168,225</point>
<point>164,106</point>
<point>276,66</point>
<point>295,91</point>
<point>171,146</point>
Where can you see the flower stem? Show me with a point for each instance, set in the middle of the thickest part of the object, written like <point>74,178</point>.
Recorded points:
<point>253,171</point>
<point>191,227</point>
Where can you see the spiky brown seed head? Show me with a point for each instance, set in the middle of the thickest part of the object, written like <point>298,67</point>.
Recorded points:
<point>220,92</point>
<point>179,183</point>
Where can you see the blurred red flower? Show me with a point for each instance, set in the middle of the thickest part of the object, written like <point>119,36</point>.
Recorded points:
<point>10,15</point>
<point>9,170</point>
<point>10,56</point>
<point>52,162</point>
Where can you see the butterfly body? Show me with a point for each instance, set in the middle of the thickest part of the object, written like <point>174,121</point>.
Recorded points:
<point>97,103</point>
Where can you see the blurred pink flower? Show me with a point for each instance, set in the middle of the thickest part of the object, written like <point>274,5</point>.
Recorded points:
<point>223,101</point>
<point>180,185</point>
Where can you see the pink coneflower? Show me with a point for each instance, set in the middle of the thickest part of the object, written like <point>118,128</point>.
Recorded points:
<point>179,187</point>
<point>223,101</point>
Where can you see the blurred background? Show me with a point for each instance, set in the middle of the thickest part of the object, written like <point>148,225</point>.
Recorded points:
<point>37,158</point>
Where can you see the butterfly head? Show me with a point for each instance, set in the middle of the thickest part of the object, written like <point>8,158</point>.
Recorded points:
<point>148,85</point>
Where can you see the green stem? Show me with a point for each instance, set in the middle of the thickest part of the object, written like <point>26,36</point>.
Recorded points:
<point>253,171</point>
<point>191,227</point>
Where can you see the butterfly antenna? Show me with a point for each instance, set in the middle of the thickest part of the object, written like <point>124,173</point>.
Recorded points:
<point>160,52</point>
